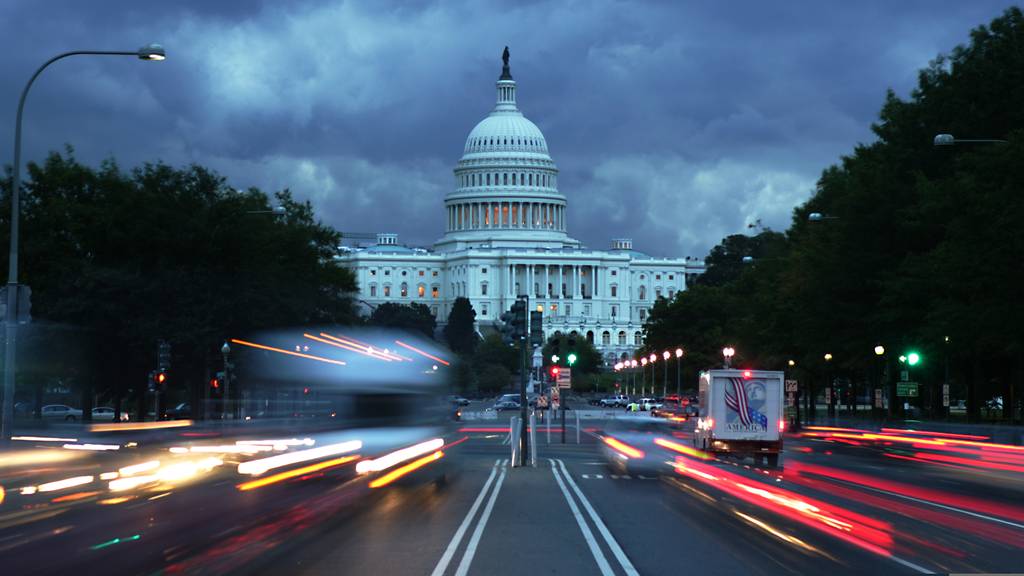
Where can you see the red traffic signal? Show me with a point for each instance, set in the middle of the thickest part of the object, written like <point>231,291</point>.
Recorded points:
<point>554,371</point>
<point>161,377</point>
<point>214,383</point>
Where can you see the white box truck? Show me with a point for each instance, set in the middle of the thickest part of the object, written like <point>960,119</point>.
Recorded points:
<point>741,413</point>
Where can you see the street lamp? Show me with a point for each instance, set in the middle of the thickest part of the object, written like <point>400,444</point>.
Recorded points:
<point>791,363</point>
<point>879,350</point>
<point>148,52</point>
<point>632,364</point>
<point>643,375</point>
<point>225,350</point>
<point>664,383</point>
<point>943,140</point>
<point>831,400</point>
<point>679,361</point>
<point>728,352</point>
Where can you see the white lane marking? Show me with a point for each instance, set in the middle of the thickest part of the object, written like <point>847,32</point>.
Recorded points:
<point>595,549</point>
<point>467,556</point>
<point>449,552</point>
<point>935,504</point>
<point>608,538</point>
<point>911,565</point>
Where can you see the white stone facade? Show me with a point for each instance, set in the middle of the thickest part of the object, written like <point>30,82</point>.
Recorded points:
<point>506,237</point>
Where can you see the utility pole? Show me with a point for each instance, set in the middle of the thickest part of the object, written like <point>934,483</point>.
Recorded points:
<point>521,320</point>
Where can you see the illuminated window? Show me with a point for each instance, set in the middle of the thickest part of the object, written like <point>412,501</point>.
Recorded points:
<point>421,291</point>
<point>422,272</point>
<point>554,307</point>
<point>434,291</point>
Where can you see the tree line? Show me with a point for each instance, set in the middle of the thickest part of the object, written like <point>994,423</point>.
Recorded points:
<point>912,247</point>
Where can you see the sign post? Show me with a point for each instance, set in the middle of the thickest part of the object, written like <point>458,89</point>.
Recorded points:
<point>906,389</point>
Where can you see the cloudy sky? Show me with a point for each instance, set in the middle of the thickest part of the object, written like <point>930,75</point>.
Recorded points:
<point>674,123</point>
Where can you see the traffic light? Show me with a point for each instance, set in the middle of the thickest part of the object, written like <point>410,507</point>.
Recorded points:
<point>913,358</point>
<point>160,378</point>
<point>554,372</point>
<point>571,358</point>
<point>537,328</point>
<point>507,327</point>
<point>519,319</point>
<point>214,383</point>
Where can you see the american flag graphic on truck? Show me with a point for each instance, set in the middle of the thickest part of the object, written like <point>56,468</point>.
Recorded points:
<point>739,402</point>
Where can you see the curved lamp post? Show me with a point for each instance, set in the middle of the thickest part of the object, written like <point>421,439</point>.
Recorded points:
<point>679,361</point>
<point>149,52</point>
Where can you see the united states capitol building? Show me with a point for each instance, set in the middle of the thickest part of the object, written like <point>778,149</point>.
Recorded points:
<point>506,237</point>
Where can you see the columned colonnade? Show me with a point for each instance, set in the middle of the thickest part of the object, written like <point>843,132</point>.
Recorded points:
<point>517,215</point>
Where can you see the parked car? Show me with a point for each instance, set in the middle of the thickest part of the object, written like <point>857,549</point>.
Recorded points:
<point>458,400</point>
<point>617,401</point>
<point>501,405</point>
<point>61,412</point>
<point>179,412</point>
<point>649,404</point>
<point>106,413</point>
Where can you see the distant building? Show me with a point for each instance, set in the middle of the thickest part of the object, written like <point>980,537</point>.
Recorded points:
<point>505,237</point>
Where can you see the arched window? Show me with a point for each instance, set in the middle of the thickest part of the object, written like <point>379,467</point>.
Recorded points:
<point>387,290</point>
<point>643,292</point>
<point>405,290</point>
<point>671,294</point>
<point>522,178</point>
<point>421,290</point>
<point>531,179</point>
<point>506,179</point>
<point>590,336</point>
<point>483,288</point>
<point>434,291</point>
<point>615,291</point>
<point>488,179</point>
<point>622,338</point>
<point>536,288</point>
<point>638,339</point>
<point>373,290</point>
<point>606,338</point>
<point>513,179</point>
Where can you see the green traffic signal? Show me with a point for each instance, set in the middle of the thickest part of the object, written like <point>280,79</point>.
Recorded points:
<point>913,358</point>
<point>572,359</point>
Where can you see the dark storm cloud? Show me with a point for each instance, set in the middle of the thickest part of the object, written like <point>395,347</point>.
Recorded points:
<point>675,124</point>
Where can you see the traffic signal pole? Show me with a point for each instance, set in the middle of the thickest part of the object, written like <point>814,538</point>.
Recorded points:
<point>522,322</point>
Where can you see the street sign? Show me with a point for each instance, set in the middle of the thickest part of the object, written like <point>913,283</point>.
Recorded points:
<point>904,375</point>
<point>538,358</point>
<point>565,378</point>
<point>163,355</point>
<point>790,399</point>
<point>791,385</point>
<point>906,389</point>
<point>945,395</point>
<point>878,398</point>
<point>828,395</point>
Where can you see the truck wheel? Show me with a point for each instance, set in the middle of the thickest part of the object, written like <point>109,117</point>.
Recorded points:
<point>773,460</point>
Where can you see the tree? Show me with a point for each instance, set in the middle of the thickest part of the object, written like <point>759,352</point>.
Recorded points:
<point>123,259</point>
<point>414,317</point>
<point>494,352</point>
<point>460,332</point>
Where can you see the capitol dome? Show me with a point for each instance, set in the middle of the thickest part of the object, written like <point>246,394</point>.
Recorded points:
<point>506,184</point>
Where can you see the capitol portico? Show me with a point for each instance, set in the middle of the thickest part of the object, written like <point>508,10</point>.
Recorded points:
<point>506,237</point>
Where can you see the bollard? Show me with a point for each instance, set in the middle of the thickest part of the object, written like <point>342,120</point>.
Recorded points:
<point>577,426</point>
<point>548,420</point>
<point>533,441</point>
<point>513,435</point>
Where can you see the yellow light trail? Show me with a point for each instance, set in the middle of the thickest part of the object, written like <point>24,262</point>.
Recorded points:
<point>363,348</point>
<point>362,351</point>
<point>288,352</point>
<point>127,426</point>
<point>296,472</point>
<point>399,472</point>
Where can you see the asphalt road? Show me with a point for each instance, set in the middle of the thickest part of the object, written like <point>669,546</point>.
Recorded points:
<point>839,506</point>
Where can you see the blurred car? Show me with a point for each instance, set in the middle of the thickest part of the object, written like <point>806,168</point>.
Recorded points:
<point>458,400</point>
<point>61,412</point>
<point>106,413</point>
<point>502,405</point>
<point>628,445</point>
